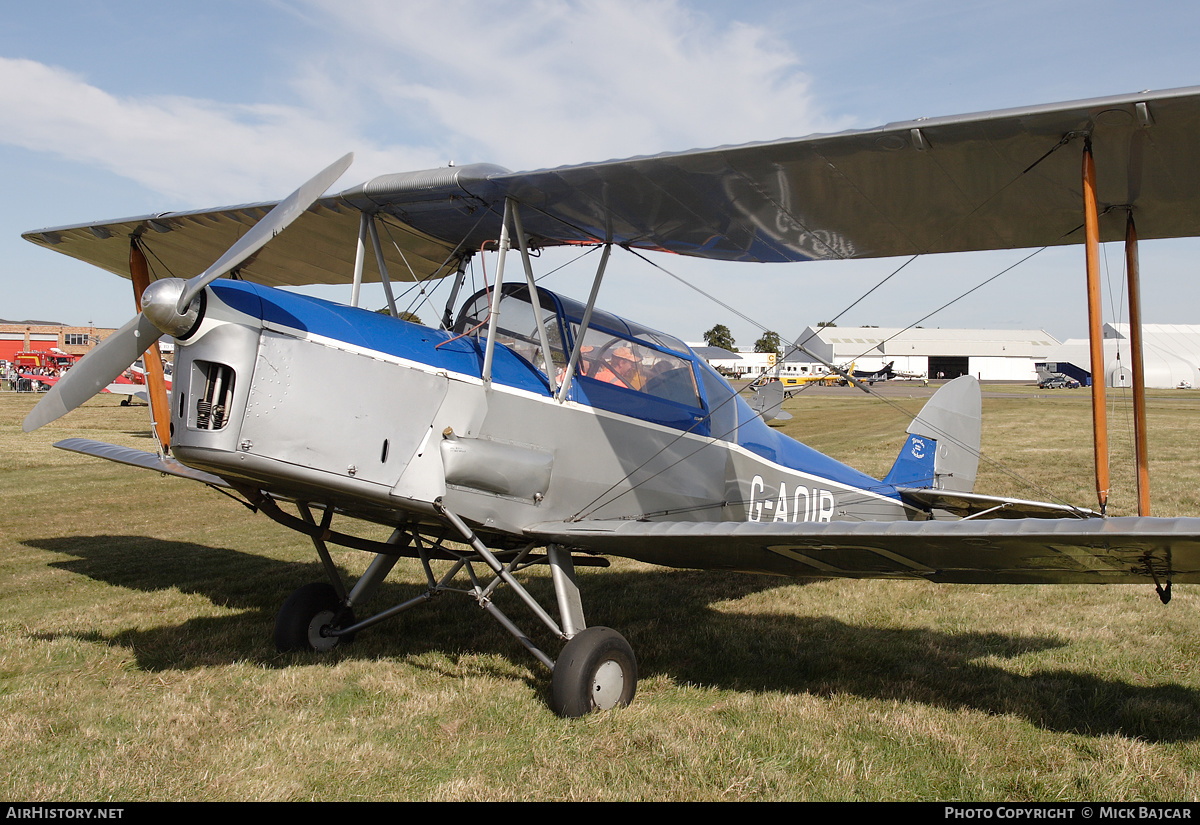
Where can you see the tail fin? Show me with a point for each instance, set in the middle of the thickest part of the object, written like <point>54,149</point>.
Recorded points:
<point>942,451</point>
<point>768,402</point>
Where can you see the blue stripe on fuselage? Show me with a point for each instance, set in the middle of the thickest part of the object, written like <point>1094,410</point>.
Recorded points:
<point>756,436</point>
<point>379,333</point>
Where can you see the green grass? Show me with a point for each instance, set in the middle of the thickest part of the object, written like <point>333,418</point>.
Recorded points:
<point>136,660</point>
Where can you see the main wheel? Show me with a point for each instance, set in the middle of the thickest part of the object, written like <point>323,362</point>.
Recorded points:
<point>302,617</point>
<point>595,671</point>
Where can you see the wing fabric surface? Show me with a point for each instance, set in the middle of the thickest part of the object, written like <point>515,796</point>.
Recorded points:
<point>1005,551</point>
<point>995,180</point>
<point>933,185</point>
<point>318,247</point>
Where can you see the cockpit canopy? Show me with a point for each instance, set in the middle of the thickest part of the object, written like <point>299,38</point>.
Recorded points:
<point>622,367</point>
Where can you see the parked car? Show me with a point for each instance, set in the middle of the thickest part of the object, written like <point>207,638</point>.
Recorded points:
<point>1056,382</point>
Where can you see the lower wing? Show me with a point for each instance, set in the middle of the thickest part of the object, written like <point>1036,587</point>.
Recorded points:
<point>998,551</point>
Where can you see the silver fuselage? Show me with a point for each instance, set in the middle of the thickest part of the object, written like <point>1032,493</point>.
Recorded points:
<point>312,417</point>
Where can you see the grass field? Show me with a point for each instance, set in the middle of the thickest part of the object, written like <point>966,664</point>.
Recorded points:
<point>136,659</point>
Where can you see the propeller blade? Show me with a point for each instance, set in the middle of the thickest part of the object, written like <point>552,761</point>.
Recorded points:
<point>118,352</point>
<point>94,372</point>
<point>271,225</point>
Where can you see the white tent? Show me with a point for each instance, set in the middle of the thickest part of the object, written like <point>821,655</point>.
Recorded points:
<point>1171,355</point>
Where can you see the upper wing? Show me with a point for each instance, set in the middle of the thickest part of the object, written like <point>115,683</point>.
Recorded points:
<point>986,181</point>
<point>1017,551</point>
<point>995,180</point>
<point>318,247</point>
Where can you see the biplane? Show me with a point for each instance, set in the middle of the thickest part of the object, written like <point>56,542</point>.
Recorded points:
<point>530,429</point>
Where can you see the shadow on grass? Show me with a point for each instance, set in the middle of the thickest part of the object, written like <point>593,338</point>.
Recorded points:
<point>668,619</point>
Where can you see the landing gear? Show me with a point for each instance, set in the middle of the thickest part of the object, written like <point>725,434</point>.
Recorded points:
<point>305,618</point>
<point>595,671</point>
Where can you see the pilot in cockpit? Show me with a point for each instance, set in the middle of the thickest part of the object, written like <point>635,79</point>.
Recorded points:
<point>621,367</point>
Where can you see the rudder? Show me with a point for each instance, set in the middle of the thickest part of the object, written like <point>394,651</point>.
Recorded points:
<point>942,450</point>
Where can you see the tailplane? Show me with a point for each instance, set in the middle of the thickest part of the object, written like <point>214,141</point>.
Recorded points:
<point>942,451</point>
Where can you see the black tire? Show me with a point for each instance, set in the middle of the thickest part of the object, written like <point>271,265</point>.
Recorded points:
<point>312,607</point>
<point>595,671</point>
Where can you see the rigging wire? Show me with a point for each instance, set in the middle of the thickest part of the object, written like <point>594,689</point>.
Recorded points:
<point>1118,305</point>
<point>415,304</point>
<point>150,253</point>
<point>590,249</point>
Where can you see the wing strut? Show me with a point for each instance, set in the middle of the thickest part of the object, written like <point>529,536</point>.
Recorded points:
<point>1139,377</point>
<point>360,256</point>
<point>383,271</point>
<point>584,323</point>
<point>1092,246</point>
<point>459,277</point>
<point>523,245</point>
<point>156,383</point>
<point>511,214</point>
<point>494,309</point>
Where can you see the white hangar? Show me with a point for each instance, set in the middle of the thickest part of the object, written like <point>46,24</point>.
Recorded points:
<point>988,354</point>
<point>1170,352</point>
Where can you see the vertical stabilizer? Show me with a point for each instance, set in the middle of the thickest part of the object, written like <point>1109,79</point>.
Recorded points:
<point>768,402</point>
<point>942,450</point>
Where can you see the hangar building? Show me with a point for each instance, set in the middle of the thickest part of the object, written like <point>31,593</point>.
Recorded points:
<point>988,354</point>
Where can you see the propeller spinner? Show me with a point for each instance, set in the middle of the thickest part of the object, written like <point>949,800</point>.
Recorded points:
<point>172,307</point>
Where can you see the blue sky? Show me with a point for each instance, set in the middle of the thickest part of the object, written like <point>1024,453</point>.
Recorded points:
<point>116,109</point>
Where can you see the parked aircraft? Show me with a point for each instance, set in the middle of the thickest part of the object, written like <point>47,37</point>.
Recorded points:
<point>33,382</point>
<point>884,373</point>
<point>533,429</point>
<point>887,372</point>
<point>134,383</point>
<point>822,379</point>
<point>791,383</point>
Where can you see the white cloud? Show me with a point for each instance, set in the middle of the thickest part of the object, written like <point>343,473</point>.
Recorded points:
<point>199,152</point>
<point>551,82</point>
<point>411,86</point>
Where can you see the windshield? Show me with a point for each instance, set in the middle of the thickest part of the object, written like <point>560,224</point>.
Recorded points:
<point>516,327</point>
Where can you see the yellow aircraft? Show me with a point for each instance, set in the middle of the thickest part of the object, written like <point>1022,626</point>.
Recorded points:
<point>826,379</point>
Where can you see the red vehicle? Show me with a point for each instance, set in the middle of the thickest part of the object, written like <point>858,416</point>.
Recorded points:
<point>46,359</point>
